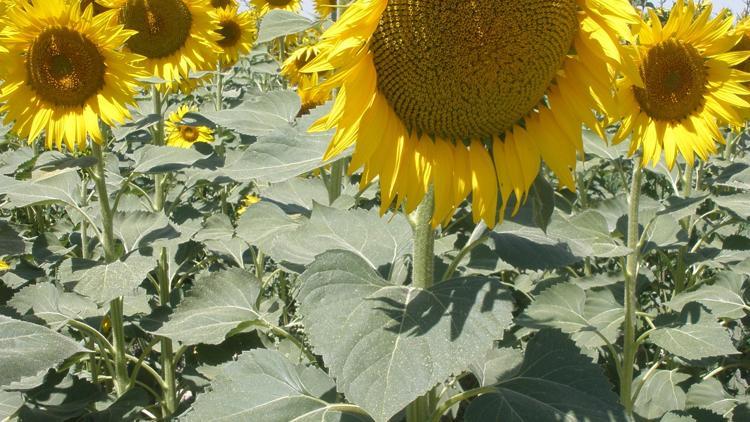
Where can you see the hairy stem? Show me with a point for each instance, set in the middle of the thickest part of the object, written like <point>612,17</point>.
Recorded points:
<point>121,377</point>
<point>159,179</point>
<point>108,236</point>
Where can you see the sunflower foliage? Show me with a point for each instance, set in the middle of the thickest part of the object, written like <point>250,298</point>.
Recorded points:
<point>196,253</point>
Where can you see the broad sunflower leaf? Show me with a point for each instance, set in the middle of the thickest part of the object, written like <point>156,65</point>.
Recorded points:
<point>58,186</point>
<point>388,344</point>
<point>164,159</point>
<point>263,222</point>
<point>723,298</point>
<point>265,115</point>
<point>587,234</point>
<point>552,382</point>
<point>694,334</point>
<point>710,394</point>
<point>571,309</point>
<point>380,241</point>
<point>137,229</point>
<point>278,23</point>
<point>218,306</point>
<point>104,282</point>
<point>264,385</point>
<point>660,394</point>
<point>738,204</point>
<point>26,349</point>
<point>11,242</point>
<point>51,304</point>
<point>10,402</point>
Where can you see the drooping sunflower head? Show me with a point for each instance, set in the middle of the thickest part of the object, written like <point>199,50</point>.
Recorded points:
<point>263,6</point>
<point>467,96</point>
<point>325,8</point>
<point>238,32</point>
<point>64,72</point>
<point>306,83</point>
<point>680,83</point>
<point>175,36</point>
<point>182,135</point>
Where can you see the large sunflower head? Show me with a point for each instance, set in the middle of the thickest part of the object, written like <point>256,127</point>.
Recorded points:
<point>182,135</point>
<point>679,83</point>
<point>238,31</point>
<point>467,96</point>
<point>306,83</point>
<point>65,70</point>
<point>176,36</point>
<point>263,6</point>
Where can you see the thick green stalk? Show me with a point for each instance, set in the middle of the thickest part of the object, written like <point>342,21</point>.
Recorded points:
<point>423,277</point>
<point>159,179</point>
<point>631,276</point>
<point>108,236</point>
<point>121,378</point>
<point>219,88</point>
<point>170,401</point>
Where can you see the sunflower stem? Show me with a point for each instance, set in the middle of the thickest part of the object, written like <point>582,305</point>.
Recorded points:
<point>423,277</point>
<point>219,88</point>
<point>121,378</point>
<point>159,179</point>
<point>100,181</point>
<point>631,277</point>
<point>169,393</point>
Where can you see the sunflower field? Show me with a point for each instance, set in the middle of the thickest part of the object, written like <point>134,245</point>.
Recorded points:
<point>374,210</point>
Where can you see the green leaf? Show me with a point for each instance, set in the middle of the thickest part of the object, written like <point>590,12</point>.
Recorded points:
<point>123,408</point>
<point>11,242</point>
<point>594,145</point>
<point>59,186</point>
<point>542,198</point>
<point>51,304</point>
<point>264,115</point>
<point>104,282</point>
<point>695,334</point>
<point>138,229</point>
<point>263,222</point>
<point>264,385</point>
<point>164,159</point>
<point>723,298</point>
<point>215,308</point>
<point>386,344</point>
<point>278,23</point>
<point>380,241</point>
<point>566,307</point>
<point>660,394</point>
<point>297,195</point>
<point>710,394</point>
<point>27,349</point>
<point>587,234</point>
<point>738,204</point>
<point>553,382</point>
<point>10,402</point>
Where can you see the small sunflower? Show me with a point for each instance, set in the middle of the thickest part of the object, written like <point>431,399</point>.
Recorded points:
<point>180,135</point>
<point>263,6</point>
<point>325,8</point>
<point>238,33</point>
<point>467,96</point>
<point>4,266</point>
<point>247,202</point>
<point>310,97</point>
<point>64,71</point>
<point>176,36</point>
<point>679,82</point>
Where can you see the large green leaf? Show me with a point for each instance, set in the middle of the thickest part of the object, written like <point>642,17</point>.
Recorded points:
<point>723,298</point>
<point>388,344</point>
<point>10,402</point>
<point>694,334</point>
<point>11,242</point>
<point>380,241</point>
<point>552,382</point>
<point>58,186</point>
<point>660,394</point>
<point>265,385</point>
<point>263,223</point>
<point>104,282</point>
<point>215,307</point>
<point>571,309</point>
<point>710,394</point>
<point>164,159</point>
<point>265,115</point>
<point>137,229</point>
<point>738,204</point>
<point>278,23</point>
<point>51,304</point>
<point>27,349</point>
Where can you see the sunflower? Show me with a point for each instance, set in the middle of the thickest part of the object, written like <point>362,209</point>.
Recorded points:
<point>64,71</point>
<point>176,36</point>
<point>263,6</point>
<point>220,4</point>
<point>181,135</point>
<point>678,84</point>
<point>247,202</point>
<point>238,33</point>
<point>467,96</point>
<point>98,8</point>
<point>305,82</point>
<point>4,266</point>
<point>325,8</point>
